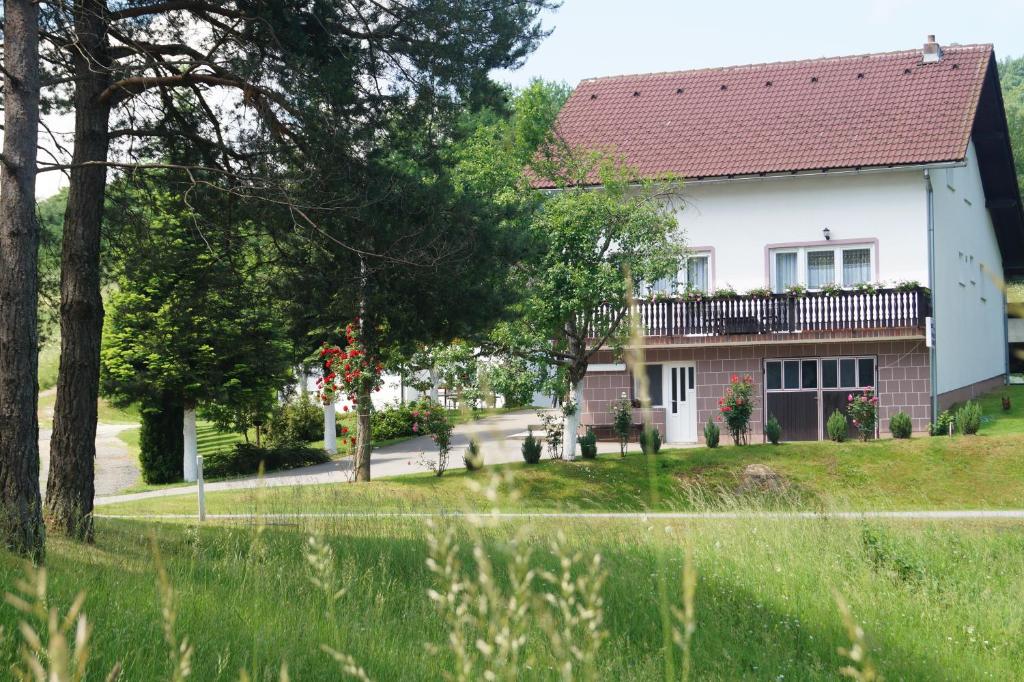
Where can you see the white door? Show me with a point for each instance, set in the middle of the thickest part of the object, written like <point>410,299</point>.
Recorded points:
<point>680,391</point>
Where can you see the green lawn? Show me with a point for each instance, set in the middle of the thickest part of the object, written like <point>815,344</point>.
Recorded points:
<point>962,472</point>
<point>936,600</point>
<point>764,604</point>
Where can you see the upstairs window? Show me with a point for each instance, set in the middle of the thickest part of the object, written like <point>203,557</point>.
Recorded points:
<point>698,272</point>
<point>821,265</point>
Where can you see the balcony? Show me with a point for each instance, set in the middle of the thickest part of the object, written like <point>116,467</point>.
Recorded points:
<point>879,310</point>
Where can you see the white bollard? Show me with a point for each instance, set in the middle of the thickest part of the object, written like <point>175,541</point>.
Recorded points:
<point>188,431</point>
<point>202,489</point>
<point>330,430</point>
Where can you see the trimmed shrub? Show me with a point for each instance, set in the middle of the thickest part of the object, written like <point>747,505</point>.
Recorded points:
<point>472,457</point>
<point>295,422</point>
<point>773,430</point>
<point>968,418</point>
<point>245,458</point>
<point>900,425</point>
<point>394,421</point>
<point>532,448</point>
<point>650,441</point>
<point>711,434</point>
<point>837,427</point>
<point>940,427</point>
<point>161,444</point>
<point>588,444</point>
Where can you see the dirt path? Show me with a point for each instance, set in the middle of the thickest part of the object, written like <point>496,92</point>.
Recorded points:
<point>116,467</point>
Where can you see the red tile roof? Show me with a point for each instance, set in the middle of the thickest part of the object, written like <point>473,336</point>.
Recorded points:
<point>842,112</point>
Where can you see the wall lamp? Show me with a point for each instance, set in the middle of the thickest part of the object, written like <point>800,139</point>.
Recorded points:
<point>828,233</point>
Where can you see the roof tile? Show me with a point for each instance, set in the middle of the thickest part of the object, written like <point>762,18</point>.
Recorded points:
<point>841,112</point>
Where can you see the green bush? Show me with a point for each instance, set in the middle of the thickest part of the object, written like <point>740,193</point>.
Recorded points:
<point>394,421</point>
<point>588,445</point>
<point>968,418</point>
<point>650,441</point>
<point>773,430</point>
<point>161,444</point>
<point>295,422</point>
<point>940,427</point>
<point>472,457</point>
<point>837,427</point>
<point>711,434</point>
<point>531,448</point>
<point>245,458</point>
<point>900,425</point>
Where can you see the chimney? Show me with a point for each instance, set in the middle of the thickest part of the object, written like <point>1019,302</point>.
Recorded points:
<point>931,52</point>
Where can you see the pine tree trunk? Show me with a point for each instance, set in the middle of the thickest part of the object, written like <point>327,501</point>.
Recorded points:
<point>69,489</point>
<point>21,522</point>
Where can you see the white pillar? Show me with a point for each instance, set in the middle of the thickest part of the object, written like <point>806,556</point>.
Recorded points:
<point>572,422</point>
<point>433,385</point>
<point>188,430</point>
<point>330,430</point>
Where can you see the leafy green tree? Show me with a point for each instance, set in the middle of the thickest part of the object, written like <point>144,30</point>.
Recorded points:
<point>594,246</point>
<point>189,323</point>
<point>513,378</point>
<point>1011,76</point>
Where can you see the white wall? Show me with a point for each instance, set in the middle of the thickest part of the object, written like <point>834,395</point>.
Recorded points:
<point>740,217</point>
<point>970,311</point>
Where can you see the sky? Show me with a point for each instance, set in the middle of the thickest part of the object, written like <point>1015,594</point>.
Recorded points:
<point>611,37</point>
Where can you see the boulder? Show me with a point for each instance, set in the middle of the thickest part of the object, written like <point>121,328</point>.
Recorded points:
<point>758,477</point>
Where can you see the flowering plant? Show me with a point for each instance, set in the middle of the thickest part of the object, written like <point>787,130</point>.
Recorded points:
<point>863,411</point>
<point>349,372</point>
<point>736,406</point>
<point>432,419</point>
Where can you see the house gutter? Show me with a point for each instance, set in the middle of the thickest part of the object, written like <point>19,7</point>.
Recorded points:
<point>823,172</point>
<point>933,372</point>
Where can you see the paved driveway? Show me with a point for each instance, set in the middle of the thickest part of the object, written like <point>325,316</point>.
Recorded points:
<point>500,439</point>
<point>117,467</point>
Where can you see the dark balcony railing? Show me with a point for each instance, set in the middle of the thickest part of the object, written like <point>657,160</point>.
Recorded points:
<point>785,313</point>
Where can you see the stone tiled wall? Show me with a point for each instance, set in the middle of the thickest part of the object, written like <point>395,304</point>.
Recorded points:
<point>903,377</point>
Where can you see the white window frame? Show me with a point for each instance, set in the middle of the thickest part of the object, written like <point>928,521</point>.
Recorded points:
<point>837,260</point>
<point>684,275</point>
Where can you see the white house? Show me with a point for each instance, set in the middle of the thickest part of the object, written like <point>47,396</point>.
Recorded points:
<point>881,184</point>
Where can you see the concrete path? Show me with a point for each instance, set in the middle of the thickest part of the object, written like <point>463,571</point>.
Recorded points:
<point>117,467</point>
<point>500,439</point>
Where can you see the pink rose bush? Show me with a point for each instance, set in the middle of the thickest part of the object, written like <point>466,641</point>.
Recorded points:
<point>863,411</point>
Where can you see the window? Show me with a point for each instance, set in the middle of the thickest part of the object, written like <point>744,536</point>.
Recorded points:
<point>865,372</point>
<point>834,374</point>
<point>696,274</point>
<point>821,269</point>
<point>809,374</point>
<point>856,266</point>
<point>698,271</point>
<point>654,387</point>
<point>785,270</point>
<point>847,372</point>
<point>821,265</point>
<point>830,374</point>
